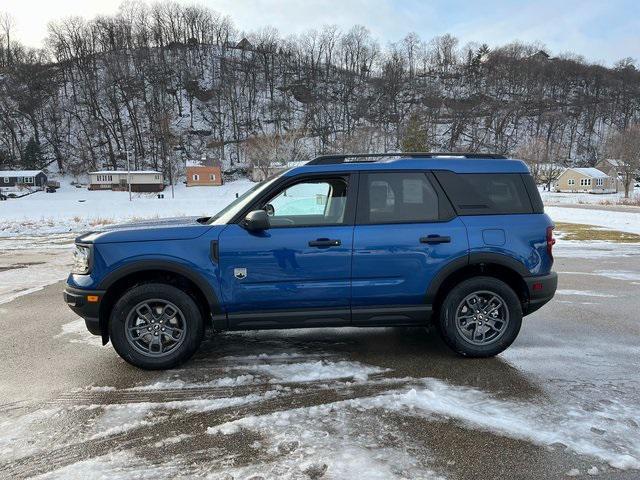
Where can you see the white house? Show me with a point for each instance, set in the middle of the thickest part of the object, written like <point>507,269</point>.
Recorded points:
<point>141,180</point>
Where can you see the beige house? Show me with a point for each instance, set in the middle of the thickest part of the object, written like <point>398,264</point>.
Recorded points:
<point>585,180</point>
<point>141,180</point>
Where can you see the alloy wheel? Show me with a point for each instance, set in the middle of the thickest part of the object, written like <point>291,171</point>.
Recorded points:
<point>155,327</point>
<point>482,317</point>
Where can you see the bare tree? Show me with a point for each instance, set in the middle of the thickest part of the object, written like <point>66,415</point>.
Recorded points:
<point>543,160</point>
<point>265,151</point>
<point>624,146</point>
<point>6,24</point>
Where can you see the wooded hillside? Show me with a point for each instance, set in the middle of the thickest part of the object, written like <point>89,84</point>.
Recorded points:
<point>167,82</point>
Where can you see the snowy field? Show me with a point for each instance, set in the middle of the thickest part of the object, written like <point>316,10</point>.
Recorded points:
<point>555,198</point>
<point>73,209</point>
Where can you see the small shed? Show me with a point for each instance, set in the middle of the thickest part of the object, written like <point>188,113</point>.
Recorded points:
<point>141,180</point>
<point>23,178</point>
<point>585,180</point>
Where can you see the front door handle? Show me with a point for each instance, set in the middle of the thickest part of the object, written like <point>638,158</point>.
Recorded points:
<point>324,242</point>
<point>433,239</point>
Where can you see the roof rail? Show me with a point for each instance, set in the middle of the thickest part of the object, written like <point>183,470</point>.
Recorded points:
<point>370,157</point>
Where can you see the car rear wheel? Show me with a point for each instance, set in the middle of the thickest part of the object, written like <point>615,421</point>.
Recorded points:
<point>156,326</point>
<point>480,317</point>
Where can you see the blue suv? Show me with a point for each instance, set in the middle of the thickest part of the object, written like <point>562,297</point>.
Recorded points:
<point>345,240</point>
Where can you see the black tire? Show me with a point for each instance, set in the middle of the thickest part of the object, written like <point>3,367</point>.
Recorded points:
<point>452,333</point>
<point>188,314</point>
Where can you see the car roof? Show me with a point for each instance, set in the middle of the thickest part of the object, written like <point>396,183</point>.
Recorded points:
<point>457,165</point>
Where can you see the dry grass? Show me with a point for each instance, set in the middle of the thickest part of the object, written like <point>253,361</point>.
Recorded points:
<point>576,231</point>
<point>633,201</point>
<point>94,222</point>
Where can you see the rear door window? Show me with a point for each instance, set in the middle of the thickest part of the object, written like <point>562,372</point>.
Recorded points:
<point>485,193</point>
<point>402,197</point>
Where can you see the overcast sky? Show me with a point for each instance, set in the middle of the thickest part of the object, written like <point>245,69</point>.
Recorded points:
<point>602,31</point>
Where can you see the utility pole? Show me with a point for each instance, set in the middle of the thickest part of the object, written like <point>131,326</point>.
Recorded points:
<point>171,178</point>
<point>128,173</point>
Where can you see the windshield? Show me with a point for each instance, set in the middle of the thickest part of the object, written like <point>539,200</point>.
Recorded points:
<point>227,213</point>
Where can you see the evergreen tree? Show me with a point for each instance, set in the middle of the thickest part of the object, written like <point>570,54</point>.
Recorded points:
<point>32,157</point>
<point>415,135</point>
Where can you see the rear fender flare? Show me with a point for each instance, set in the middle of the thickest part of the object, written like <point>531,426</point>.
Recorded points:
<point>477,258</point>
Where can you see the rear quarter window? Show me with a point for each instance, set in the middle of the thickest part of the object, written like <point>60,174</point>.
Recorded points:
<point>486,193</point>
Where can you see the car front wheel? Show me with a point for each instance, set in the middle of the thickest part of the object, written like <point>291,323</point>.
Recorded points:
<point>156,326</point>
<point>480,317</point>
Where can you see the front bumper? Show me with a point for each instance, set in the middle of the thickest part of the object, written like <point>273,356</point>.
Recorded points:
<point>85,304</point>
<point>541,289</point>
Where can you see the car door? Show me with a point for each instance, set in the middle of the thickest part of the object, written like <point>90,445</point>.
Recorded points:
<point>405,232</point>
<point>298,271</point>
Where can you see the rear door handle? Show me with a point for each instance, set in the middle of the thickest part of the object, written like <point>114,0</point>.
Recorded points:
<point>325,242</point>
<point>433,239</point>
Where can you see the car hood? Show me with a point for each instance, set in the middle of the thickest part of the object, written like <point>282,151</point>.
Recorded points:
<point>179,228</point>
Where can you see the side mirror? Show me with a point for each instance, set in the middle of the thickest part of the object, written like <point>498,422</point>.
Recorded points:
<point>269,209</point>
<point>256,220</point>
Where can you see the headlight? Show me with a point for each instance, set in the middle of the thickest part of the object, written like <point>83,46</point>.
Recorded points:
<point>81,260</point>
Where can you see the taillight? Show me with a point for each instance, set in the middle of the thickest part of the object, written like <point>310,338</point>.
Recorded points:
<point>550,241</point>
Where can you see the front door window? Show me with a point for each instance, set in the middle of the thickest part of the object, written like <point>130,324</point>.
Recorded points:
<point>309,203</point>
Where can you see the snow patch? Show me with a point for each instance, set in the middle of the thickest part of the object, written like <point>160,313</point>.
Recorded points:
<point>314,371</point>
<point>327,441</point>
<point>30,278</point>
<point>76,332</point>
<point>619,274</point>
<point>594,249</point>
<point>120,465</point>
<point>178,384</point>
<point>618,444</point>
<point>621,221</point>
<point>172,440</point>
<point>585,293</point>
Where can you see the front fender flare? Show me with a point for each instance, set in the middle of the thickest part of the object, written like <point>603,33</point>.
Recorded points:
<point>138,266</point>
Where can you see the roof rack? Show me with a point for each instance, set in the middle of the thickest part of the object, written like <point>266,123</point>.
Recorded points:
<point>370,157</point>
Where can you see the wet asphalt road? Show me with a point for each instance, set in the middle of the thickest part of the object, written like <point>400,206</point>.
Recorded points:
<point>336,403</point>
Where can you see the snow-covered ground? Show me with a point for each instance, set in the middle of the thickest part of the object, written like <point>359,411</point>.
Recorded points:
<point>73,209</point>
<point>363,432</point>
<point>555,198</point>
<point>621,221</point>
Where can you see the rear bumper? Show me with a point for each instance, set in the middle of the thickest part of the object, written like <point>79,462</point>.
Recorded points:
<point>541,289</point>
<point>77,300</point>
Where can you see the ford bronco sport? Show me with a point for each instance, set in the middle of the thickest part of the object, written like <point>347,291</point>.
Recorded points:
<point>344,240</point>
